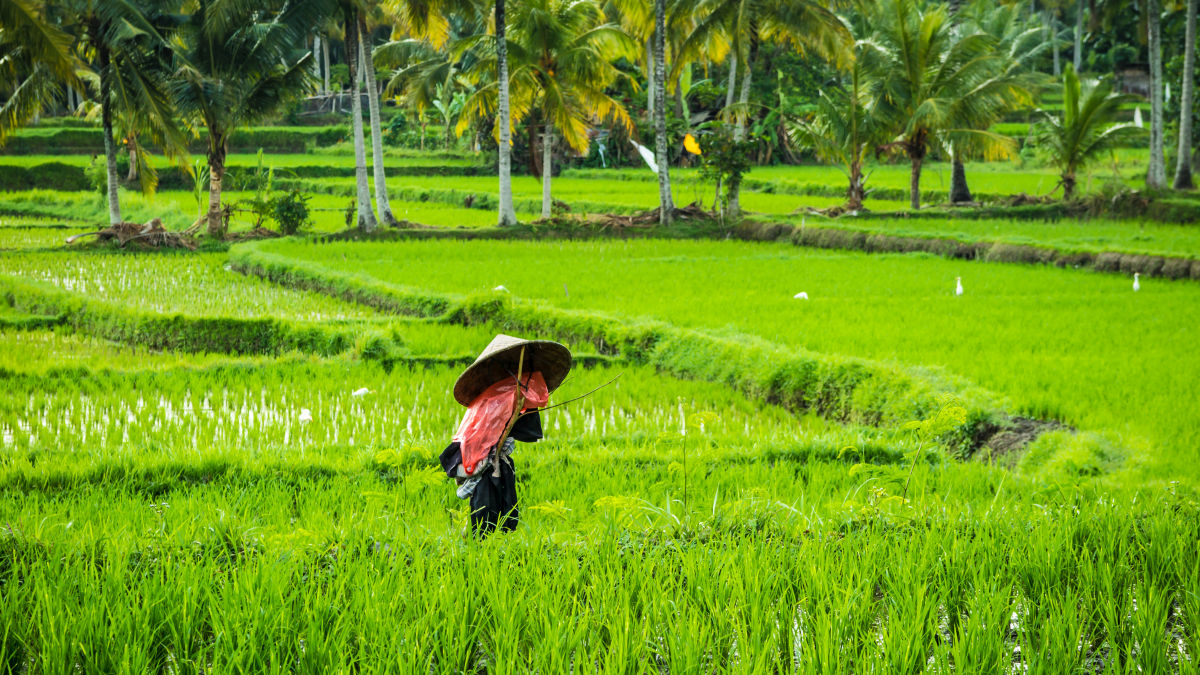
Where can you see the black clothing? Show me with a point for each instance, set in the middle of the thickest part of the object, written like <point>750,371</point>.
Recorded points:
<point>494,501</point>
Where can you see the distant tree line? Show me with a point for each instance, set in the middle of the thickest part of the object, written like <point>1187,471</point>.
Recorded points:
<point>754,80</point>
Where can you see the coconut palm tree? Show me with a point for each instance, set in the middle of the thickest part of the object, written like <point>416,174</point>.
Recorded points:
<point>130,58</point>
<point>365,217</point>
<point>1018,45</point>
<point>1156,175</point>
<point>937,86</point>
<point>1183,161</point>
<point>508,215</point>
<point>666,206</point>
<point>38,57</point>
<point>367,67</point>
<point>804,24</point>
<point>237,63</point>
<point>562,62</point>
<point>1085,128</point>
<point>844,128</point>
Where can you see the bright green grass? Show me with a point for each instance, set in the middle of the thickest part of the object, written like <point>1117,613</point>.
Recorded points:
<point>186,283</point>
<point>38,351</point>
<point>1072,345</point>
<point>34,237</point>
<point>210,538</point>
<point>1148,238</point>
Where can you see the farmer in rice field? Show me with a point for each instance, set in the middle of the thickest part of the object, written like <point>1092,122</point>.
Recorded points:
<point>502,391</point>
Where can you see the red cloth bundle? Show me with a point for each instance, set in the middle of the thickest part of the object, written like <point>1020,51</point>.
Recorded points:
<point>490,412</point>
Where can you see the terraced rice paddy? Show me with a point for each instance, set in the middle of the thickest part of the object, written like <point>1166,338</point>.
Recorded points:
<point>283,510</point>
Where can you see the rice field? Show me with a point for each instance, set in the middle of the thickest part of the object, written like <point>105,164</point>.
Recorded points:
<point>1076,346</point>
<point>201,512</point>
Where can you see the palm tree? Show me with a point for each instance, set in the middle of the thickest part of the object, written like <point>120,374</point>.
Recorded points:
<point>1156,176</point>
<point>1085,128</point>
<point>843,129</point>
<point>131,62</point>
<point>508,215</point>
<point>1183,162</point>
<point>562,52</point>
<point>237,63</point>
<point>937,86</point>
<point>1018,45</point>
<point>805,24</point>
<point>367,66</point>
<point>37,57</point>
<point>666,207</point>
<point>365,217</point>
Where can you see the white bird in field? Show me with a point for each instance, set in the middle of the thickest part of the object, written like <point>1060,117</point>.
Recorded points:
<point>1136,285</point>
<point>305,415</point>
<point>360,392</point>
<point>500,288</point>
<point>958,286</point>
<point>800,296</point>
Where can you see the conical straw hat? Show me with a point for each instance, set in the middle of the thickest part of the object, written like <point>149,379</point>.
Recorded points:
<point>499,361</point>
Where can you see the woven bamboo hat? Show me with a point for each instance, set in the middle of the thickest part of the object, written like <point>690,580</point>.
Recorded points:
<point>499,361</point>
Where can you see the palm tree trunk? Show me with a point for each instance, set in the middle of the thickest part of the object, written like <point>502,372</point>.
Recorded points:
<point>1078,56</point>
<point>508,215</point>
<point>381,195</point>
<point>133,174</point>
<point>959,191</point>
<point>325,60</point>
<point>743,101</point>
<point>366,218</point>
<point>729,88</point>
<point>1183,164</point>
<point>855,193</point>
<point>1068,183</point>
<point>666,207</point>
<point>1157,174</point>
<point>547,166</point>
<point>316,62</point>
<point>110,148</point>
<point>914,183</point>
<point>650,76</point>
<point>216,175</point>
<point>1054,44</point>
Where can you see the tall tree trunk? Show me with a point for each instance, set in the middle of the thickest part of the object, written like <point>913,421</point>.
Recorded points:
<point>1078,55</point>
<point>110,147</point>
<point>650,77</point>
<point>1068,183</point>
<point>216,176</point>
<point>1053,24</point>
<point>316,62</point>
<point>1156,177</point>
<point>732,85</point>
<point>959,191</point>
<point>856,192</point>
<point>133,174</point>
<point>381,196</point>
<point>366,218</point>
<point>508,215</point>
<point>666,206</point>
<point>739,133</point>
<point>547,166</point>
<point>914,182</point>
<point>325,61</point>
<point>1183,164</point>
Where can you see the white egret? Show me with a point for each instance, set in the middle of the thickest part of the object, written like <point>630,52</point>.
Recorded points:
<point>360,392</point>
<point>1136,285</point>
<point>500,288</point>
<point>305,415</point>
<point>800,296</point>
<point>958,286</point>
